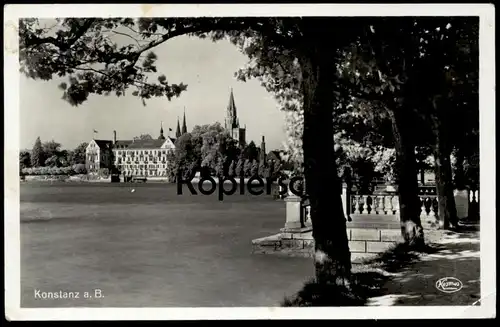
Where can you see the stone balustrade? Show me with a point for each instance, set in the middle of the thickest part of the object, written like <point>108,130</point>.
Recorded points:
<point>388,204</point>
<point>375,228</point>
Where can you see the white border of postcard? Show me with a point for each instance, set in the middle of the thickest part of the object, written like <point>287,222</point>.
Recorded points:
<point>486,12</point>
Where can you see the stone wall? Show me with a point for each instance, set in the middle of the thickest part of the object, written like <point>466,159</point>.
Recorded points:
<point>363,243</point>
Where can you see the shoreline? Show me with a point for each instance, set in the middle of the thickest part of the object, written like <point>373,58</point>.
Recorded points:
<point>69,179</point>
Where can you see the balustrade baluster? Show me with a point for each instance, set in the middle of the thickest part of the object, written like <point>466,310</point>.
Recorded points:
<point>432,211</point>
<point>356,204</point>
<point>381,205</point>
<point>365,205</point>
<point>423,210</point>
<point>374,204</point>
<point>370,204</point>
<point>388,204</point>
<point>395,204</point>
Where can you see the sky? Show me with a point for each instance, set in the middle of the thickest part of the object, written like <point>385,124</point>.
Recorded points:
<point>206,67</point>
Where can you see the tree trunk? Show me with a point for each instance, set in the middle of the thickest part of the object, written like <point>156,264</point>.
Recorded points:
<point>406,170</point>
<point>447,210</point>
<point>459,171</point>
<point>332,255</point>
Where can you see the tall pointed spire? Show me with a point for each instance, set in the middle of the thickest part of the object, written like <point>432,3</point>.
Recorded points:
<point>232,116</point>
<point>263,150</point>
<point>184,126</point>
<point>178,130</point>
<point>161,137</point>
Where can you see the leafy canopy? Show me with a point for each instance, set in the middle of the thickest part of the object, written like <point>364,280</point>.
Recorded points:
<point>112,55</point>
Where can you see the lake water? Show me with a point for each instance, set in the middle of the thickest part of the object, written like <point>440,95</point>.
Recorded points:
<point>150,247</point>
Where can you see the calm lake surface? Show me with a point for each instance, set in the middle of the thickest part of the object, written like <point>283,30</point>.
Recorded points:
<point>150,247</point>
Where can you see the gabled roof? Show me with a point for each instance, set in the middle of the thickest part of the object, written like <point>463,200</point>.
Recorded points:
<point>125,143</point>
<point>146,144</point>
<point>133,144</point>
<point>104,144</point>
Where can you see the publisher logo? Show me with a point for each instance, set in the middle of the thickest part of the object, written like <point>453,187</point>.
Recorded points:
<point>449,285</point>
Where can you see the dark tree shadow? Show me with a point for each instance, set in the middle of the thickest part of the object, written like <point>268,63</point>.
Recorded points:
<point>407,276</point>
<point>364,286</point>
<point>415,283</point>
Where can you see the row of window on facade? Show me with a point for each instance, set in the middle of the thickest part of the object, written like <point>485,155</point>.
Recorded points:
<point>142,152</point>
<point>140,156</point>
<point>126,166</point>
<point>120,161</point>
<point>142,172</point>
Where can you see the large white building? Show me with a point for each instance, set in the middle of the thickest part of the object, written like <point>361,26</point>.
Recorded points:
<point>141,158</point>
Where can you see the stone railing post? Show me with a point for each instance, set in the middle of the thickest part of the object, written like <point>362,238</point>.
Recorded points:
<point>293,221</point>
<point>462,203</point>
<point>346,203</point>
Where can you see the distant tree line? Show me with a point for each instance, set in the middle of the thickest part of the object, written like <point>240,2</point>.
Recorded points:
<point>210,150</point>
<point>48,158</point>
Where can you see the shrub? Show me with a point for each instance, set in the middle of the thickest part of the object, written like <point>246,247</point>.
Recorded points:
<point>79,169</point>
<point>254,169</point>
<point>27,171</point>
<point>51,171</point>
<point>232,168</point>
<point>43,171</point>
<point>67,171</point>
<point>55,171</point>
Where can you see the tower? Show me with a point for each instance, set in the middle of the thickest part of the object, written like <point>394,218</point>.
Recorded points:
<point>231,120</point>
<point>232,123</point>
<point>161,137</point>
<point>184,126</point>
<point>263,150</point>
<point>178,130</point>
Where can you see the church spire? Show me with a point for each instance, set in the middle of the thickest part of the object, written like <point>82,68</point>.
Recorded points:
<point>184,126</point>
<point>263,150</point>
<point>178,130</point>
<point>231,109</point>
<point>232,120</point>
<point>161,137</point>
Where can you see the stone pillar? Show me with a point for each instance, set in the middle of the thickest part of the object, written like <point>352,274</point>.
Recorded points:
<point>345,200</point>
<point>293,214</point>
<point>462,203</point>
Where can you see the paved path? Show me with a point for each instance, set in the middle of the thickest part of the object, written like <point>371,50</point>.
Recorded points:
<point>458,257</point>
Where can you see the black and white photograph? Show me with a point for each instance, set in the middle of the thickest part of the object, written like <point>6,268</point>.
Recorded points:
<point>253,161</point>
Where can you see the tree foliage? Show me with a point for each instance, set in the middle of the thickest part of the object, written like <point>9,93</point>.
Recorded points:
<point>24,159</point>
<point>143,137</point>
<point>250,151</point>
<point>37,154</point>
<point>113,55</point>
<point>78,154</point>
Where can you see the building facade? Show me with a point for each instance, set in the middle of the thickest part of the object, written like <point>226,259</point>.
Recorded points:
<point>143,158</point>
<point>232,122</point>
<point>138,158</point>
<point>98,156</point>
